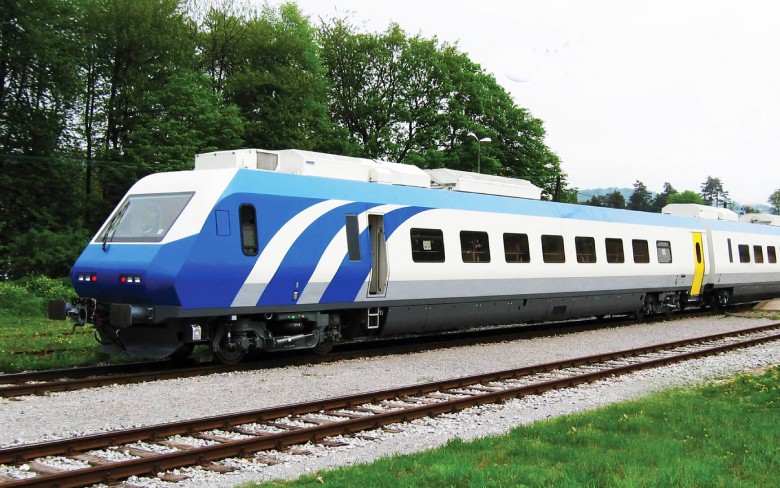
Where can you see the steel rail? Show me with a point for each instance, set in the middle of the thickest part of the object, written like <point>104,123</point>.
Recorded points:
<point>200,455</point>
<point>71,379</point>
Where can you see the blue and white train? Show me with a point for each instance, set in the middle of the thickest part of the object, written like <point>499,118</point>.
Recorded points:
<point>258,250</point>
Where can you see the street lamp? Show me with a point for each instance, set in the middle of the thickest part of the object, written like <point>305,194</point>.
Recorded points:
<point>479,141</point>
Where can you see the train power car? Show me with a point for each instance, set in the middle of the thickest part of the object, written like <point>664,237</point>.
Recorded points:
<point>258,250</point>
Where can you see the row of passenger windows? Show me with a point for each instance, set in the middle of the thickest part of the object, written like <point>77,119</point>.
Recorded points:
<point>428,247</point>
<point>743,250</point>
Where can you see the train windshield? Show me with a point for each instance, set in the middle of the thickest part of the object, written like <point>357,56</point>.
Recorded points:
<point>144,218</point>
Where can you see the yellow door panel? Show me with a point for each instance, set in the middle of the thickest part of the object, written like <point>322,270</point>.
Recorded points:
<point>698,255</point>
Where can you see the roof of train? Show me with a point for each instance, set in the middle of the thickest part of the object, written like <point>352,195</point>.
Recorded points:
<point>235,178</point>
<point>250,181</point>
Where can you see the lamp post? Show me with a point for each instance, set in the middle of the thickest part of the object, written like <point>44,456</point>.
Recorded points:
<point>479,141</point>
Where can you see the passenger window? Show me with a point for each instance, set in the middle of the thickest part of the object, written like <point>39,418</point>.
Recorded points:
<point>474,247</point>
<point>248,221</point>
<point>641,251</point>
<point>615,250</point>
<point>552,249</point>
<point>586,249</point>
<point>758,252</point>
<point>427,245</point>
<point>771,254</point>
<point>516,248</point>
<point>664,251</point>
<point>744,253</point>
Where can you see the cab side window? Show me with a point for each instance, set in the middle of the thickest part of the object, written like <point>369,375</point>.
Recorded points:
<point>248,224</point>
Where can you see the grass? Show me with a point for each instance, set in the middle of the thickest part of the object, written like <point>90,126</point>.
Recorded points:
<point>35,343</point>
<point>720,435</point>
<point>29,341</point>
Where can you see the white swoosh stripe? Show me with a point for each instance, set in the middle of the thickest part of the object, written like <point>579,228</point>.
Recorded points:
<point>333,256</point>
<point>271,257</point>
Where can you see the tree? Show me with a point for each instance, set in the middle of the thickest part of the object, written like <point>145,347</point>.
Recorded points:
<point>131,52</point>
<point>640,199</point>
<point>38,74</point>
<point>661,199</point>
<point>615,200</point>
<point>774,201</point>
<point>597,201</point>
<point>184,117</point>
<point>278,81</point>
<point>712,192</point>
<point>414,100</point>
<point>222,30</point>
<point>688,196</point>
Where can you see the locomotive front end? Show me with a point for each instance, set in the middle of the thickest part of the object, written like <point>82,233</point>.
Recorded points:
<point>126,276</point>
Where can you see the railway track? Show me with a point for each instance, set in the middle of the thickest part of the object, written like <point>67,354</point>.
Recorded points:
<point>71,379</point>
<point>155,449</point>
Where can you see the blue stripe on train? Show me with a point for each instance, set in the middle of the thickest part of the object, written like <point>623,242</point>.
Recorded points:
<point>351,275</point>
<point>304,255</point>
<point>204,284</point>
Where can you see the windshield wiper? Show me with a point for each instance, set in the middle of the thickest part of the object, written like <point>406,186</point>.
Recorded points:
<point>112,225</point>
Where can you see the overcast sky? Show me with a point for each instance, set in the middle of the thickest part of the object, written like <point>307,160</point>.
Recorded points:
<point>628,90</point>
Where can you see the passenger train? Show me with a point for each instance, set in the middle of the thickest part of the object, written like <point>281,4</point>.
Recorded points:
<point>258,250</point>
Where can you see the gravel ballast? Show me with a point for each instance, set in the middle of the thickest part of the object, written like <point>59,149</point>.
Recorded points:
<point>67,414</point>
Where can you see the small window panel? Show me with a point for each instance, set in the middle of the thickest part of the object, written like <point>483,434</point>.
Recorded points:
<point>586,249</point>
<point>353,238</point>
<point>615,250</point>
<point>771,254</point>
<point>552,249</point>
<point>744,253</point>
<point>516,248</point>
<point>758,252</point>
<point>664,251</point>
<point>731,254</point>
<point>641,251</point>
<point>427,245</point>
<point>474,247</point>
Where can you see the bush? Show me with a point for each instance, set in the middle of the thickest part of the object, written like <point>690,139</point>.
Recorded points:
<point>19,301</point>
<point>48,288</point>
<point>43,252</point>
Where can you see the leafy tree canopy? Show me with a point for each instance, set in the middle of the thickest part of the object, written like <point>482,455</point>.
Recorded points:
<point>640,199</point>
<point>712,192</point>
<point>687,196</point>
<point>774,201</point>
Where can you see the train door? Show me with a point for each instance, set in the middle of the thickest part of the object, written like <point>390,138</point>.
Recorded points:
<point>698,254</point>
<point>377,284</point>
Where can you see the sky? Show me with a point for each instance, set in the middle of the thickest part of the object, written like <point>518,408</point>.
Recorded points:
<point>656,91</point>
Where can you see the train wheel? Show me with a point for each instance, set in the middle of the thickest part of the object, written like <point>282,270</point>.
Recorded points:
<point>323,348</point>
<point>228,356</point>
<point>225,351</point>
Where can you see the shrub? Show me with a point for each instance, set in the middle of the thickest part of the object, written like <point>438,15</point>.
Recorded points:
<point>17,300</point>
<point>41,251</point>
<point>48,288</point>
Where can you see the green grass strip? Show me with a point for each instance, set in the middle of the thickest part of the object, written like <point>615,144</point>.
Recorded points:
<point>720,435</point>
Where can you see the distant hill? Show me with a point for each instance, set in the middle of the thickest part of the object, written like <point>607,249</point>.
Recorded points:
<point>584,196</point>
